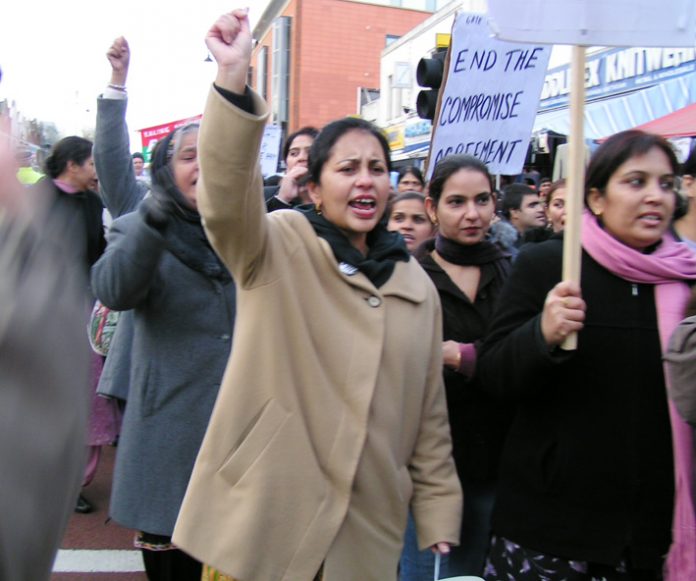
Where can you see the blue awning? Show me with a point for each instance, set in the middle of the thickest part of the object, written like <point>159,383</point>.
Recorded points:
<point>608,116</point>
<point>419,151</point>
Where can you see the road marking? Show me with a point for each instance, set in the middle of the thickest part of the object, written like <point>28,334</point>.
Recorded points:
<point>106,561</point>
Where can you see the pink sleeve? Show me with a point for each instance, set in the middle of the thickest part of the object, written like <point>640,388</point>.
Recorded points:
<point>467,364</point>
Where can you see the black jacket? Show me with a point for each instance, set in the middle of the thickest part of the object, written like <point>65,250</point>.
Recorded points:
<point>587,470</point>
<point>82,212</point>
<point>478,422</point>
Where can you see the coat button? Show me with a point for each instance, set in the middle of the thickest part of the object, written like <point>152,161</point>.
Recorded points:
<point>225,337</point>
<point>374,301</point>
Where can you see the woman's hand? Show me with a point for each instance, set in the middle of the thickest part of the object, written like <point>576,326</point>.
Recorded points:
<point>119,58</point>
<point>563,314</point>
<point>289,188</point>
<point>157,212</point>
<point>229,41</point>
<point>442,548</point>
<point>451,354</point>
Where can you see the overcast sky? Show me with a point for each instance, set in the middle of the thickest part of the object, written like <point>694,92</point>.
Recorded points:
<point>52,55</point>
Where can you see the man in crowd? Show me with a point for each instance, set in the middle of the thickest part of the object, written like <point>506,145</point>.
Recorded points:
<point>26,173</point>
<point>139,168</point>
<point>523,208</point>
<point>544,187</point>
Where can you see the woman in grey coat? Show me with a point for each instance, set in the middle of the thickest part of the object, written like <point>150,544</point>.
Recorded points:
<point>159,264</point>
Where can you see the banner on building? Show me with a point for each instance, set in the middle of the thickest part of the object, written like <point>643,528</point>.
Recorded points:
<point>270,146</point>
<point>151,135</point>
<point>619,70</point>
<point>490,97</point>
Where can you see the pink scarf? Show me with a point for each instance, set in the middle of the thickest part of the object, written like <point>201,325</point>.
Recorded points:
<point>667,267</point>
<point>66,187</point>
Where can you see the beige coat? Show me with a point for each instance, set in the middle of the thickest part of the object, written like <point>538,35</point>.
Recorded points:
<point>331,417</point>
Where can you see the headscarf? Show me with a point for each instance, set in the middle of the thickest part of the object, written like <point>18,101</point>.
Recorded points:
<point>185,237</point>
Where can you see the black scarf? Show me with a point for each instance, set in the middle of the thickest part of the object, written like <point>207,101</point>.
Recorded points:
<point>185,237</point>
<point>468,255</point>
<point>384,247</point>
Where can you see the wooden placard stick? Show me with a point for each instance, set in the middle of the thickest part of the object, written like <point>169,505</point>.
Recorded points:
<point>572,249</point>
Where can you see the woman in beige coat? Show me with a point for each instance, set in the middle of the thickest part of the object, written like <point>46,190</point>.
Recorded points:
<point>331,418</point>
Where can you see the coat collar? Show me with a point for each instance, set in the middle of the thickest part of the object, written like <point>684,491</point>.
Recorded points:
<point>408,281</point>
<point>444,284</point>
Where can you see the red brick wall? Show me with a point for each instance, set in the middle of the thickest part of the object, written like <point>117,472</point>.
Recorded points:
<point>336,48</point>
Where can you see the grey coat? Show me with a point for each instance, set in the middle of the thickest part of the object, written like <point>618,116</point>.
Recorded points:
<point>121,193</point>
<point>182,335</point>
<point>119,189</point>
<point>44,387</point>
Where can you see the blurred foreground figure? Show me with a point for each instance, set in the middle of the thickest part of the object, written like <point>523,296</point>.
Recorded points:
<point>43,378</point>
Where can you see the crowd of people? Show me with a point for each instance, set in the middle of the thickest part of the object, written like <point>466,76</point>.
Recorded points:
<point>337,377</point>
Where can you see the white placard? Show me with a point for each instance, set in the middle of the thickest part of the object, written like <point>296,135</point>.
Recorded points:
<point>661,23</point>
<point>270,150</point>
<point>490,98</point>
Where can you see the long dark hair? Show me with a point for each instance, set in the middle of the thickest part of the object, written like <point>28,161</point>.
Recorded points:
<point>451,165</point>
<point>73,148</point>
<point>309,131</point>
<point>402,197</point>
<point>555,186</point>
<point>689,167</point>
<point>618,149</point>
<point>410,170</point>
<point>327,138</point>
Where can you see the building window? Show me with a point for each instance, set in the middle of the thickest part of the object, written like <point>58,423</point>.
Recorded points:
<point>395,98</point>
<point>368,96</point>
<point>280,86</point>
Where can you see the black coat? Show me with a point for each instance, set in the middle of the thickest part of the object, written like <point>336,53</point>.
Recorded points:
<point>83,214</point>
<point>478,422</point>
<point>587,470</point>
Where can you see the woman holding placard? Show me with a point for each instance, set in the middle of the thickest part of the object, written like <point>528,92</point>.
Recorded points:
<point>587,486</point>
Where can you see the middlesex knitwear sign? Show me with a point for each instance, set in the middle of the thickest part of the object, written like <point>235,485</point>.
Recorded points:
<point>490,97</point>
<point>619,70</point>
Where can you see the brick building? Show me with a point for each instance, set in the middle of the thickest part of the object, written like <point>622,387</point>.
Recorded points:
<point>317,60</point>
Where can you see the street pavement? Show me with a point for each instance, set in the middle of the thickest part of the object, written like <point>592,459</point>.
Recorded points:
<point>95,548</point>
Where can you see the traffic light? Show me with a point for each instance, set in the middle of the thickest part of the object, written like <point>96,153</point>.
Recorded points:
<point>429,74</point>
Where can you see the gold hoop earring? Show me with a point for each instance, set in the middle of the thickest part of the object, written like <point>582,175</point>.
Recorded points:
<point>317,208</point>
